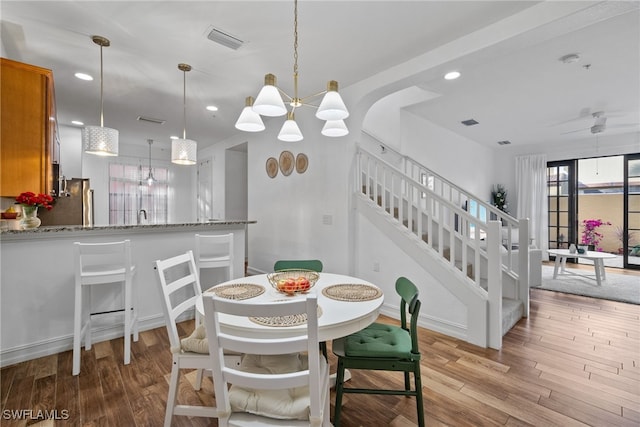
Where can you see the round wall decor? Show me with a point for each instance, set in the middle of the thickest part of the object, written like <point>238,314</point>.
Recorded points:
<point>302,162</point>
<point>272,167</point>
<point>286,163</point>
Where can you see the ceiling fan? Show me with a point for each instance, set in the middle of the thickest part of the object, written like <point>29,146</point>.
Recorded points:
<point>600,124</point>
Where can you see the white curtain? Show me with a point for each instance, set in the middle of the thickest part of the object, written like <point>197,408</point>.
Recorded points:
<point>531,185</point>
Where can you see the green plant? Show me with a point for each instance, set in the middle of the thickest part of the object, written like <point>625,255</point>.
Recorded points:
<point>629,236</point>
<point>499,197</point>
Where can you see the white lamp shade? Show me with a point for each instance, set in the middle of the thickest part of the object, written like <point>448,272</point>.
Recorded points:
<point>290,132</point>
<point>100,140</point>
<point>335,128</point>
<point>332,107</point>
<point>249,121</point>
<point>183,151</point>
<point>269,102</point>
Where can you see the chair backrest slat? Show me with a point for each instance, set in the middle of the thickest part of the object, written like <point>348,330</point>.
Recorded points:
<point>180,289</point>
<point>220,340</point>
<point>304,264</point>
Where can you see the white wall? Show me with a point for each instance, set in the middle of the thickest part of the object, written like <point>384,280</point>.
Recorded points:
<point>236,203</point>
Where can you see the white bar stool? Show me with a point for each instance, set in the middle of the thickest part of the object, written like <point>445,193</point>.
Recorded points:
<point>100,264</point>
<point>214,251</point>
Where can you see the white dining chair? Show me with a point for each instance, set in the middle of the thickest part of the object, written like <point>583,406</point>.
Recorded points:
<point>180,288</point>
<point>281,381</point>
<point>102,264</point>
<point>214,251</point>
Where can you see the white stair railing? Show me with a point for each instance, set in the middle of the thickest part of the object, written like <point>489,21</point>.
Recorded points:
<point>464,239</point>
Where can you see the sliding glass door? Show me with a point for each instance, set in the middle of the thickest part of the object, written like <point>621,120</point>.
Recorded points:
<point>631,232</point>
<point>599,194</point>
<point>561,192</point>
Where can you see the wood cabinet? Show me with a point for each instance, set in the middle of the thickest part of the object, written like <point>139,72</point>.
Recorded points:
<point>28,129</point>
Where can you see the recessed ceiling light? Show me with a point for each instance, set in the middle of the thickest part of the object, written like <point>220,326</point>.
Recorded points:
<point>174,137</point>
<point>452,75</point>
<point>77,123</point>
<point>212,108</point>
<point>83,76</point>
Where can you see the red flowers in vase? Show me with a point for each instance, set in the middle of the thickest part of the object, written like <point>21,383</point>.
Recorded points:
<point>38,200</point>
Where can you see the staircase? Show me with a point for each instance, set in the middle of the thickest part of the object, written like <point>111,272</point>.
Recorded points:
<point>453,235</point>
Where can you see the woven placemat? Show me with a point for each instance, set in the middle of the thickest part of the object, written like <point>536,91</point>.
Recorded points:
<point>352,292</point>
<point>283,321</point>
<point>238,291</point>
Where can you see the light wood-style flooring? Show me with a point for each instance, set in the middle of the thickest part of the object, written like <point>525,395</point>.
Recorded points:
<point>575,361</point>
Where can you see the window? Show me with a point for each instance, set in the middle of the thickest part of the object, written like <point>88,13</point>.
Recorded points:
<point>129,195</point>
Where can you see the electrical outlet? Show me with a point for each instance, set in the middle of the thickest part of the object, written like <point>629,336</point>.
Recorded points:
<point>376,266</point>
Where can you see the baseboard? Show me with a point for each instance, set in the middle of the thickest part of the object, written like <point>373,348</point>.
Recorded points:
<point>429,322</point>
<point>60,344</point>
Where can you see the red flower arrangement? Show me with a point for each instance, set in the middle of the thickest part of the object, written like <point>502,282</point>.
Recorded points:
<point>38,200</point>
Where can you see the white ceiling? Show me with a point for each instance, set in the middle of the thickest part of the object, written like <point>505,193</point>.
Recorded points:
<point>518,90</point>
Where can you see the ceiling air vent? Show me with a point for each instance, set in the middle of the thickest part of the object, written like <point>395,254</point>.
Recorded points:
<point>225,39</point>
<point>505,142</point>
<point>469,122</point>
<point>150,120</point>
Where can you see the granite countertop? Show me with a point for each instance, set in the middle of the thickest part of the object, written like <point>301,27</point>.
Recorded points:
<point>143,227</point>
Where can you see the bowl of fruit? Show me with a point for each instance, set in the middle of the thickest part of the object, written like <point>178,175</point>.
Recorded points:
<point>293,282</point>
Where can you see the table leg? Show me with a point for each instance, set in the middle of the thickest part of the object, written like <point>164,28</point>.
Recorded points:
<point>563,264</point>
<point>598,264</point>
<point>555,267</point>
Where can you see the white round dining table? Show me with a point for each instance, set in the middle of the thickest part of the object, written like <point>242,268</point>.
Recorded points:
<point>337,319</point>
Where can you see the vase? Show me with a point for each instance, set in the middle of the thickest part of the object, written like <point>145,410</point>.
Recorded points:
<point>30,218</point>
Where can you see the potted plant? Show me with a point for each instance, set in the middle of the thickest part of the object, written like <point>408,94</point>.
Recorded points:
<point>499,197</point>
<point>622,236</point>
<point>590,234</point>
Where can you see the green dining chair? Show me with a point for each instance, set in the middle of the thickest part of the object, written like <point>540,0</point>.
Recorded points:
<point>305,264</point>
<point>384,347</point>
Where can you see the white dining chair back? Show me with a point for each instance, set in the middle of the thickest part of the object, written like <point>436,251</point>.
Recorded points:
<point>180,288</point>
<point>102,264</point>
<point>214,251</point>
<point>258,382</point>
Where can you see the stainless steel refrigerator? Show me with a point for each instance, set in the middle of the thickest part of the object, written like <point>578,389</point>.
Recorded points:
<point>74,206</point>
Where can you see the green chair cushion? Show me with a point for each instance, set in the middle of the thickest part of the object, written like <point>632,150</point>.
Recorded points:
<point>379,340</point>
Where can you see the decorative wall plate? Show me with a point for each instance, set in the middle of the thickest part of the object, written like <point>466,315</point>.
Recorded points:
<point>286,163</point>
<point>302,162</point>
<point>272,167</point>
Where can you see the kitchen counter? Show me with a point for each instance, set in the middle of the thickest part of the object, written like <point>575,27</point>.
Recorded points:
<point>13,235</point>
<point>37,278</point>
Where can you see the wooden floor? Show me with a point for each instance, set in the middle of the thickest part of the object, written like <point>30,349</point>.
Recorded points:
<point>575,361</point>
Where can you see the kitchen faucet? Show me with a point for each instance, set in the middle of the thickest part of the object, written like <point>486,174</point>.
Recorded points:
<point>144,213</point>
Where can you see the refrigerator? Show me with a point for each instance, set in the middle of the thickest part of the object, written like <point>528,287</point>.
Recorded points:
<point>74,205</point>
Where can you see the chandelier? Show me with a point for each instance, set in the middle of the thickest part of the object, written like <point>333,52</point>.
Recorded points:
<point>270,102</point>
<point>100,140</point>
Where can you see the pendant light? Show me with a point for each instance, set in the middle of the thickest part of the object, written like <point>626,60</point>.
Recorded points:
<point>100,140</point>
<point>150,179</point>
<point>184,151</point>
<point>269,102</point>
<point>249,120</point>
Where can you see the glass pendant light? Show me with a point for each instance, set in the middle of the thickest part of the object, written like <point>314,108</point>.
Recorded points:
<point>332,106</point>
<point>184,151</point>
<point>100,140</point>
<point>150,179</point>
<point>290,131</point>
<point>335,128</point>
<point>249,120</point>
